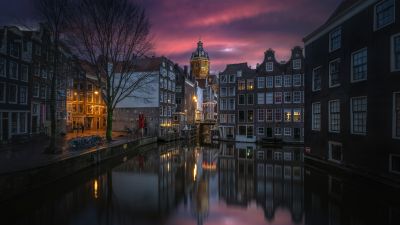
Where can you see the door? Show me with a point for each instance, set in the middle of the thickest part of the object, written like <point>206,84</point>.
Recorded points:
<point>4,123</point>
<point>269,132</point>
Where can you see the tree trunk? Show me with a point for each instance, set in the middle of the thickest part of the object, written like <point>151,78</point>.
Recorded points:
<point>109,124</point>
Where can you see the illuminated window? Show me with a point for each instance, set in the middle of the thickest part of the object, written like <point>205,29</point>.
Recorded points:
<point>287,114</point>
<point>241,85</point>
<point>297,117</point>
<point>250,84</point>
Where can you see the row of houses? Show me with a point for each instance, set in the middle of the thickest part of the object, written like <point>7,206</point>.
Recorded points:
<point>342,98</point>
<point>266,102</point>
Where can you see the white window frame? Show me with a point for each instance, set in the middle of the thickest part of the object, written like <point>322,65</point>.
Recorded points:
<point>260,133</point>
<point>287,131</point>
<point>287,80</point>
<point>278,129</point>
<point>293,79</point>
<point>269,66</point>
<point>279,77</point>
<point>289,94</point>
<point>330,39</point>
<point>330,75</point>
<point>313,118</point>
<point>330,143</point>
<point>296,64</point>
<point>352,66</point>
<point>390,163</point>
<point>266,97</point>
<point>375,17</point>
<point>26,95</point>
<point>294,94</point>
<point>394,116</point>
<point>260,80</point>
<point>352,119</point>
<point>271,79</point>
<point>329,116</point>
<point>392,56</point>
<point>260,98</point>
<point>261,115</point>
<point>312,82</point>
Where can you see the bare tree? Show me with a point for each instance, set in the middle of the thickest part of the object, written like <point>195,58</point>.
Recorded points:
<point>111,35</point>
<point>54,14</point>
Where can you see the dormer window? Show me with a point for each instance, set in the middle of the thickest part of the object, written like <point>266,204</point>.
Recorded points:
<point>269,66</point>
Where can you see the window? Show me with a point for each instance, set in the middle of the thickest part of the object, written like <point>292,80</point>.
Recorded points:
<point>278,97</point>
<point>241,99</point>
<point>359,65</point>
<point>44,73</point>
<point>232,91</point>
<point>250,99</point>
<point>260,98</point>
<point>2,92</point>
<point>222,118</point>
<point>161,97</point>
<point>232,78</point>
<point>14,123</point>
<point>316,116</point>
<point>241,116</point>
<point>250,84</point>
<point>269,82</point>
<point>278,81</point>
<point>24,75</point>
<point>297,64</point>
<point>269,66</point>
<point>287,131</point>
<point>278,131</point>
<point>334,72</point>
<point>395,53</point>
<point>359,115</point>
<point>223,79</point>
<point>269,117</point>
<point>287,97</point>
<point>287,80</point>
<point>12,93</point>
<point>297,80</point>
<point>297,96</point>
<point>43,91</point>
<point>223,92</point>
<point>2,67</point>
<point>23,95</point>
<point>13,70</point>
<point>297,117</point>
<point>278,115</point>
<point>260,131</point>
<point>14,49</point>
<point>384,14</point>
<point>394,163</point>
<point>287,114</point>
<point>334,116</point>
<point>335,151</point>
<point>250,116</point>
<point>260,82</point>
<point>223,104</point>
<point>36,70</point>
<point>246,130</point>
<point>335,39</point>
<point>241,85</point>
<point>269,98</point>
<point>316,79</point>
<point>231,105</point>
<point>261,115</point>
<point>396,115</point>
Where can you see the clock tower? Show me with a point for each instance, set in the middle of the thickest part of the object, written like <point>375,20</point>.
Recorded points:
<point>200,62</point>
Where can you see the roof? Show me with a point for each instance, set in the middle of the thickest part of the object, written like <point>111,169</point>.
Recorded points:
<point>233,68</point>
<point>340,11</point>
<point>200,52</point>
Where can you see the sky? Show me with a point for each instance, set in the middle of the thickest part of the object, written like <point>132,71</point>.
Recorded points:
<point>233,31</point>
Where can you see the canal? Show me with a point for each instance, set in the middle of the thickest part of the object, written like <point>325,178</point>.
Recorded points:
<point>221,184</point>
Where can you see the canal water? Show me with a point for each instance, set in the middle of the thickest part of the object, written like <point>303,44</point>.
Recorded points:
<point>219,184</point>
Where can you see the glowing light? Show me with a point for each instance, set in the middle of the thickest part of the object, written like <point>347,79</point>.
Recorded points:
<point>95,188</point>
<point>194,172</point>
<point>96,92</point>
<point>228,50</point>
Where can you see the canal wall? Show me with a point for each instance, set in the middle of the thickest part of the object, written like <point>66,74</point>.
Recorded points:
<point>15,183</point>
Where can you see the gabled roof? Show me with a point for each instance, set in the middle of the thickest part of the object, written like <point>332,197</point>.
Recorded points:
<point>233,68</point>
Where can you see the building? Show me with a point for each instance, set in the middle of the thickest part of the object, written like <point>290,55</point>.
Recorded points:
<point>278,98</point>
<point>200,62</point>
<point>156,101</point>
<point>15,83</point>
<point>353,89</point>
<point>85,105</point>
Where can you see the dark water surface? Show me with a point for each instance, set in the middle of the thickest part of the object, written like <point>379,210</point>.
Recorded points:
<point>225,184</point>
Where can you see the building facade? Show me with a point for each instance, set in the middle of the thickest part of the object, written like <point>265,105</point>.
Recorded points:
<point>352,88</point>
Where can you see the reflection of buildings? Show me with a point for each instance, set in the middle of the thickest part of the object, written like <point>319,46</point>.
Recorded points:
<point>271,177</point>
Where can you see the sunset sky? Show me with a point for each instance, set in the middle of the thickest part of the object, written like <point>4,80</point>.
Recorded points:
<point>233,31</point>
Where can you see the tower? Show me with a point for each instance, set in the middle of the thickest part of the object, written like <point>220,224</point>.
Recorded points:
<point>200,62</point>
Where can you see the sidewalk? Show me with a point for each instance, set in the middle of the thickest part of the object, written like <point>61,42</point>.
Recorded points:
<point>19,157</point>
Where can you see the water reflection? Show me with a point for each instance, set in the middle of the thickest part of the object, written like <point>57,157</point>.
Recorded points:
<point>231,183</point>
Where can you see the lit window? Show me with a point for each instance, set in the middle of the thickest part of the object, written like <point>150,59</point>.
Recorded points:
<point>269,66</point>
<point>335,38</point>
<point>334,71</point>
<point>384,13</point>
<point>334,116</point>
<point>297,115</point>
<point>287,115</point>
<point>316,79</point>
<point>395,53</point>
<point>250,116</point>
<point>359,65</point>
<point>359,115</point>
<point>316,116</point>
<point>241,85</point>
<point>250,84</point>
